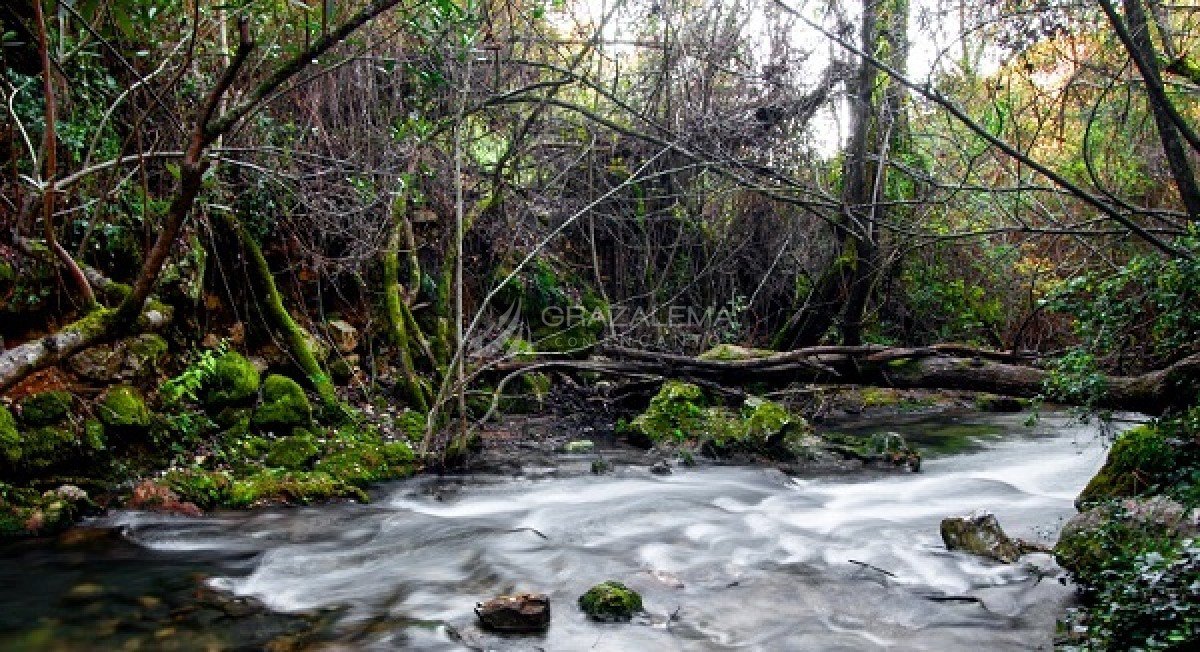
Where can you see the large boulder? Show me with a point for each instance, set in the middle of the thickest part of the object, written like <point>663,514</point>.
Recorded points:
<point>524,612</point>
<point>979,533</point>
<point>1138,459</point>
<point>1091,538</point>
<point>610,601</point>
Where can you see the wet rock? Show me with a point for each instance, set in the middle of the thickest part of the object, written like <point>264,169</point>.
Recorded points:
<point>523,612</point>
<point>601,466</point>
<point>979,533</point>
<point>611,602</point>
<point>155,497</point>
<point>994,403</point>
<point>580,446</point>
<point>661,468</point>
<point>133,358</point>
<point>343,335</point>
<point>1092,537</point>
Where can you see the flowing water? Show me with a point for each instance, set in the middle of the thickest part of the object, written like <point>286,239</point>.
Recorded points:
<point>725,557</point>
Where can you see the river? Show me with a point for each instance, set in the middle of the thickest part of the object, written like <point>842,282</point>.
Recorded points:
<point>725,557</point>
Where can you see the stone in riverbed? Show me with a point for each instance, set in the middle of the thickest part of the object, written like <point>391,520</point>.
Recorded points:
<point>523,612</point>
<point>580,446</point>
<point>979,533</point>
<point>611,602</point>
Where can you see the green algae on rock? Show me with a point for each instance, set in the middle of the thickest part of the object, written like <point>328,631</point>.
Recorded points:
<point>610,601</point>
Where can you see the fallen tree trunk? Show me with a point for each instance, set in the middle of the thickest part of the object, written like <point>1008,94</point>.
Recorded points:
<point>94,328</point>
<point>946,367</point>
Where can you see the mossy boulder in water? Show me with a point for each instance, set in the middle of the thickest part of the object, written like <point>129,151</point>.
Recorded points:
<point>234,380</point>
<point>124,408</point>
<point>285,405</point>
<point>45,408</point>
<point>979,533</point>
<point>610,601</point>
<point>293,452</point>
<point>1138,457</point>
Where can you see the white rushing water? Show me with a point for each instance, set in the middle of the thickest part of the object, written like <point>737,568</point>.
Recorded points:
<point>725,557</point>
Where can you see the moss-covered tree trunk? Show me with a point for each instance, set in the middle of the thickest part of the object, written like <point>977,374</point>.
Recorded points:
<point>270,301</point>
<point>396,308</point>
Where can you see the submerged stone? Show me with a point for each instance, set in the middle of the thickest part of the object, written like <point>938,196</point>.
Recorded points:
<point>979,533</point>
<point>610,601</point>
<point>523,612</point>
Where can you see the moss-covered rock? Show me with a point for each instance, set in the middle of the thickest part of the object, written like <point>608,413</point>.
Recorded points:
<point>362,463</point>
<point>979,533</point>
<point>124,408</point>
<point>294,452</point>
<point>45,408</point>
<point>201,487</point>
<point>610,601</point>
<point>278,486</point>
<point>1137,459</point>
<point>46,448</point>
<point>675,413</point>
<point>24,512</point>
<point>1117,530</point>
<point>284,405</point>
<point>234,380</point>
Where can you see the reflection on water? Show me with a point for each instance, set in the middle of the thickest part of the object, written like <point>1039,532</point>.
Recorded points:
<point>725,557</point>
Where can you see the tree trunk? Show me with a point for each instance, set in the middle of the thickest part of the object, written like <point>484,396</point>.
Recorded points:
<point>394,305</point>
<point>945,367</point>
<point>270,301</point>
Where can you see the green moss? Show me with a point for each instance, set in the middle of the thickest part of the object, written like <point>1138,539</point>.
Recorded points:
<point>203,488</point>
<point>124,407</point>
<point>610,602</point>
<point>146,350</point>
<point>284,405</point>
<point>93,434</point>
<point>24,512</point>
<point>1138,459</point>
<point>233,381</point>
<point>880,397</point>
<point>10,439</point>
<point>46,447</point>
<point>276,486</point>
<point>294,452</point>
<point>364,463</point>
<point>678,413</point>
<point>727,352</point>
<point>675,413</point>
<point>7,272</point>
<point>45,408</point>
<point>412,424</point>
